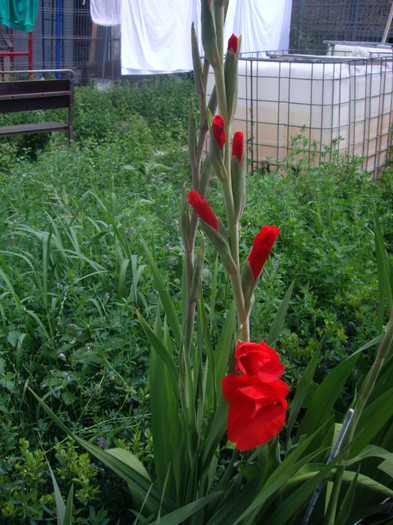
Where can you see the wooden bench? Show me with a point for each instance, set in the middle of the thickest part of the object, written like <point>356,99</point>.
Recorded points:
<point>30,93</point>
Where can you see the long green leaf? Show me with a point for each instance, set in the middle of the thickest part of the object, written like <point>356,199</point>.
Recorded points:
<point>371,451</point>
<point>384,281</point>
<point>321,406</point>
<point>130,459</point>
<point>11,289</point>
<point>122,277</point>
<point>215,432</point>
<point>68,507</point>
<point>279,319</point>
<point>224,346</point>
<point>159,347</point>
<point>372,420</point>
<point>165,422</point>
<point>166,301</point>
<point>60,505</point>
<point>301,391</point>
<point>368,483</point>
<point>181,514</point>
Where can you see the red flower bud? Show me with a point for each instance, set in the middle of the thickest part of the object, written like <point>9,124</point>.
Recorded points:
<point>238,145</point>
<point>218,129</point>
<point>262,245</point>
<point>233,43</point>
<point>203,209</point>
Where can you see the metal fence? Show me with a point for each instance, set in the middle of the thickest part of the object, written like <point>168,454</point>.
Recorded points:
<point>65,38</point>
<point>314,21</point>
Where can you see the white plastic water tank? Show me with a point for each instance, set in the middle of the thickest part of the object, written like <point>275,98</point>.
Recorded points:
<point>277,99</point>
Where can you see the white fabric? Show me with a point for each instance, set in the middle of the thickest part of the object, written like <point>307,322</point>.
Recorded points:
<point>263,24</point>
<point>155,34</point>
<point>105,12</point>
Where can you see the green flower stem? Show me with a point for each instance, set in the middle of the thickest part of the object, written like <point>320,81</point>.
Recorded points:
<point>220,17</point>
<point>190,308</point>
<point>243,315</point>
<point>237,289</point>
<point>189,247</point>
<point>233,224</point>
<point>332,508</point>
<point>221,92</point>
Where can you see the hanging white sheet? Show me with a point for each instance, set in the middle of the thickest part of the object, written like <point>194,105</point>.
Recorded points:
<point>105,12</point>
<point>263,24</point>
<point>155,35</point>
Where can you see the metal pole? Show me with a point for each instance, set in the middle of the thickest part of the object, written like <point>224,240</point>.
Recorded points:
<point>30,50</point>
<point>43,31</point>
<point>388,24</point>
<point>58,36</point>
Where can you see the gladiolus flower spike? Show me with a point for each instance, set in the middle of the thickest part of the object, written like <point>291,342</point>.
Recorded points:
<point>203,209</point>
<point>238,145</point>
<point>233,43</point>
<point>261,248</point>
<point>218,130</point>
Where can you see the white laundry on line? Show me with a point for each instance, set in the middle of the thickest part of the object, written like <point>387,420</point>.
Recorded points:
<point>156,35</point>
<point>106,12</point>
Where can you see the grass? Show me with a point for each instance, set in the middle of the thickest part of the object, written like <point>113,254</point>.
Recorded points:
<point>72,269</point>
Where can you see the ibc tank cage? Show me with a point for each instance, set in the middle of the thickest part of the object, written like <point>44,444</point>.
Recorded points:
<point>336,103</point>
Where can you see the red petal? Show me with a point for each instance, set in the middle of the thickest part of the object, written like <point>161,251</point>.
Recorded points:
<point>218,130</point>
<point>255,431</point>
<point>233,43</point>
<point>262,246</point>
<point>203,209</point>
<point>256,409</point>
<point>238,145</point>
<point>260,360</point>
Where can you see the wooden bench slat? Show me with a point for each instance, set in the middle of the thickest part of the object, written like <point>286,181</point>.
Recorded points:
<point>44,94</point>
<point>33,127</point>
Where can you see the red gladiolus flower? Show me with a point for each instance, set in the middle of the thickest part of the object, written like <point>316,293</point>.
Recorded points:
<point>233,43</point>
<point>256,409</point>
<point>238,145</point>
<point>218,130</point>
<point>261,248</point>
<point>259,360</point>
<point>256,397</point>
<point>203,209</point>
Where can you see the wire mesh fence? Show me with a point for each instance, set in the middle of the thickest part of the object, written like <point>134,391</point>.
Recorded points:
<point>333,103</point>
<point>314,21</point>
<point>65,37</point>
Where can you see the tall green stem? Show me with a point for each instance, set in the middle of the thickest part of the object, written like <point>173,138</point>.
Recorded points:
<point>221,92</point>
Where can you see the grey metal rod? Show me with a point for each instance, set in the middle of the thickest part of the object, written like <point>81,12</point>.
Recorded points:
<point>388,24</point>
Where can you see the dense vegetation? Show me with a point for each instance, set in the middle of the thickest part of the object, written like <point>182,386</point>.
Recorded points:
<point>72,273</point>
